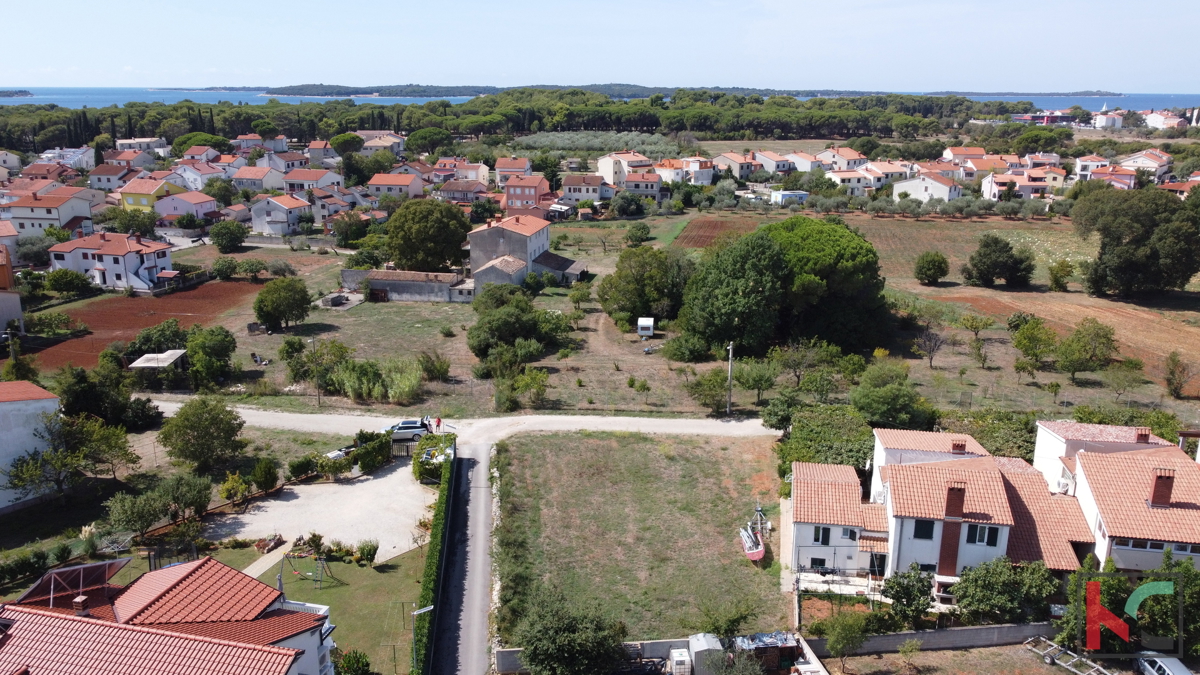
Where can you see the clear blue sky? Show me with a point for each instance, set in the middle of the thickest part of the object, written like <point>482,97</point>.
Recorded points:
<point>891,45</point>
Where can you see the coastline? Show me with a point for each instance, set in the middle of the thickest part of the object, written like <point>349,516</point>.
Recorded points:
<point>331,97</point>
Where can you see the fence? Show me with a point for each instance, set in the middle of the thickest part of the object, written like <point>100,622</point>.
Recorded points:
<point>181,283</point>
<point>313,240</point>
<point>948,638</point>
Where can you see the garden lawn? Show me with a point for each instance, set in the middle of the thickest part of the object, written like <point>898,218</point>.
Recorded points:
<point>644,528</point>
<point>371,606</point>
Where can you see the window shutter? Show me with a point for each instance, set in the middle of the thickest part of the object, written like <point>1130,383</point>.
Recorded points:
<point>853,535</point>
<point>993,536</point>
<point>824,536</point>
<point>972,534</point>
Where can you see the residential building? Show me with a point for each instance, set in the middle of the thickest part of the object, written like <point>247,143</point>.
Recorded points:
<point>94,198</point>
<point>1180,190</point>
<point>198,204</point>
<point>299,180</point>
<point>45,171</point>
<point>1040,160</point>
<point>139,159</point>
<point>927,186</point>
<point>774,163</point>
<point>35,213</point>
<point>616,165</point>
<point>393,143</point>
<point>697,170</point>
<point>1058,442</point>
<point>142,193</point>
<point>647,185</point>
<point>425,171</point>
<point>578,188</point>
<point>200,617</point>
<point>396,184</point>
<point>671,170</point>
<point>10,302</point>
<point>962,153</point>
<point>8,243</point>
<point>258,179</point>
<point>283,161</point>
<point>1157,162</point>
<point>319,151</point>
<point>804,162</point>
<point>832,528</point>
<point>169,177</point>
<point>1107,121</point>
<point>1165,120</point>
<point>24,187</point>
<point>855,182</point>
<point>22,407</point>
<point>77,158</point>
<point>889,172</point>
<point>1026,185</point>
<point>197,175</point>
<point>512,167</point>
<point>278,215</point>
<point>783,197</point>
<point>112,176</point>
<point>841,158</point>
<point>901,446</point>
<point>941,168</point>
<point>740,165</point>
<point>236,212</point>
<point>114,260</point>
<point>10,161</point>
<point>249,141</point>
<point>1086,164</point>
<point>462,191</point>
<point>527,196</point>
<point>504,251</point>
<point>1116,176</point>
<point>147,144</point>
<point>201,153</point>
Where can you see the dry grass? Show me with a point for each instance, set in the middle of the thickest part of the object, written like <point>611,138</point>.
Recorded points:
<point>645,528</point>
<point>1007,660</point>
<point>811,146</point>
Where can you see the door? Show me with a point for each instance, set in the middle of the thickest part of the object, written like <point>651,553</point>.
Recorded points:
<point>103,278</point>
<point>878,564</point>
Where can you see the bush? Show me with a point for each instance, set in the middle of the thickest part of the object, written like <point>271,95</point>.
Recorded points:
<point>227,236</point>
<point>68,281</point>
<point>931,267</point>
<point>61,553</point>
<point>446,331</point>
<point>1060,272</point>
<point>368,549</point>
<point>434,367</point>
<point>996,258</point>
<point>281,268</point>
<point>429,576</point>
<point>224,267</point>
<point>303,466</point>
<point>265,475</point>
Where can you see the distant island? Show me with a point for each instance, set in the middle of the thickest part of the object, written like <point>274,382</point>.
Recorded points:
<point>15,93</point>
<point>611,90</point>
<point>1024,93</point>
<point>208,88</point>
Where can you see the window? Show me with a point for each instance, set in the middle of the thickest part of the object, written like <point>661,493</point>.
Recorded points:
<point>983,534</point>
<point>48,211</point>
<point>160,254</point>
<point>816,562</point>
<point>118,277</point>
<point>821,535</point>
<point>927,568</point>
<point>116,260</point>
<point>923,529</point>
<point>60,256</point>
<point>849,533</point>
<point>22,225</point>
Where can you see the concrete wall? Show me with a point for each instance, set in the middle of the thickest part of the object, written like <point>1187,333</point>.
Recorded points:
<point>509,660</point>
<point>352,278</point>
<point>20,420</point>
<point>495,275</point>
<point>950,638</point>
<point>491,243</point>
<point>413,291</point>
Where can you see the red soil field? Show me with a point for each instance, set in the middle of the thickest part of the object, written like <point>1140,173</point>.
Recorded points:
<point>702,232</point>
<point>120,318</point>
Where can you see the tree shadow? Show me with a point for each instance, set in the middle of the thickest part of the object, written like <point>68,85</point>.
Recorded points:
<point>311,329</point>
<point>1170,300</point>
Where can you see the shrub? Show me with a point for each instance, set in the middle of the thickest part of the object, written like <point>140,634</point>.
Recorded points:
<point>1060,271</point>
<point>931,267</point>
<point>224,267</point>
<point>228,236</point>
<point>368,549</point>
<point>689,348</point>
<point>434,367</point>
<point>68,281</point>
<point>429,576</point>
<point>251,267</point>
<point>303,466</point>
<point>265,475</point>
<point>61,553</point>
<point>446,331</point>
<point>281,268</point>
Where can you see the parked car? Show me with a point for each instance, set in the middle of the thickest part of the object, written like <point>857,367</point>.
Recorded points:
<point>408,430</point>
<point>1153,664</point>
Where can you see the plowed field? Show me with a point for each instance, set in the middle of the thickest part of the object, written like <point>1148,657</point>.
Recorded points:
<point>702,232</point>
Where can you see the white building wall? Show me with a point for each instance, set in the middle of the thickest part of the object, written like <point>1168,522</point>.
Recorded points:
<point>888,456</point>
<point>20,421</point>
<point>973,555</point>
<point>904,550</point>
<point>841,553</point>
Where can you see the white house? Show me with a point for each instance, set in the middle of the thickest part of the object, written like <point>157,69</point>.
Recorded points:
<point>738,164</point>
<point>10,161</point>
<point>114,260</point>
<point>112,176</point>
<point>396,184</point>
<point>1058,442</point>
<point>1153,160</point>
<point>927,186</point>
<point>278,215</point>
<point>22,405</point>
<point>196,203</point>
<point>645,185</point>
<point>832,528</point>
<point>247,141</point>
<point>1027,185</point>
<point>774,162</point>
<point>804,161</point>
<point>299,180</point>
<point>841,158</point>
<point>578,188</point>
<point>1084,166</point>
<point>283,161</point>
<point>35,213</point>
<point>319,151</point>
<point>616,165</point>
<point>134,158</point>
<point>1165,120</point>
<point>152,145</point>
<point>76,158</point>
<point>671,170</point>
<point>258,179</point>
<point>961,154</point>
<point>197,175</point>
<point>1107,121</point>
<point>781,197</point>
<point>855,182</point>
<point>698,170</point>
<point>902,446</point>
<point>509,167</point>
<point>393,143</point>
<point>201,153</point>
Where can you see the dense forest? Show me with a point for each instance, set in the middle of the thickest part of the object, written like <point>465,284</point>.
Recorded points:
<point>702,113</point>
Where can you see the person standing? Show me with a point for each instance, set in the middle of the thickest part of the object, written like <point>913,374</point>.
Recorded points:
<point>437,425</point>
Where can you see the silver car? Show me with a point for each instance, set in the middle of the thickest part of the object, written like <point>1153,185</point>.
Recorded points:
<point>1153,664</point>
<point>408,430</point>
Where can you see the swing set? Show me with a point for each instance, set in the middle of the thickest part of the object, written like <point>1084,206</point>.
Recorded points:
<point>320,575</point>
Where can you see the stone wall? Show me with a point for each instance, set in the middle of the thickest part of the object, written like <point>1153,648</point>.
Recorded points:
<point>950,638</point>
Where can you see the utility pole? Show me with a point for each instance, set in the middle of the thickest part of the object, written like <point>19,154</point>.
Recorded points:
<point>729,383</point>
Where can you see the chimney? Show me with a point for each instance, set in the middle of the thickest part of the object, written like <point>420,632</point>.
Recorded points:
<point>956,494</point>
<point>36,196</point>
<point>1143,434</point>
<point>80,605</point>
<point>958,446</point>
<point>137,238</point>
<point>1160,488</point>
<point>103,236</point>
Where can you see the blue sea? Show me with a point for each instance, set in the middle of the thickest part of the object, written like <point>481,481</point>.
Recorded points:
<point>102,97</point>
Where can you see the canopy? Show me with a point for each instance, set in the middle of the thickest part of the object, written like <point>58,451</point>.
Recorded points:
<point>159,360</point>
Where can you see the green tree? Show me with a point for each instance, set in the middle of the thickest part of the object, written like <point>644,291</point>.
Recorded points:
<point>1149,240</point>
<point>133,221</point>
<point>581,292</point>
<point>999,591</point>
<point>220,189</point>
<point>35,249</point>
<point>911,594</point>
<point>931,267</point>
<point>344,144</point>
<point>1035,340</point>
<point>637,234</point>
<point>1177,374</point>
<point>235,488</point>
<point>1060,272</point>
<point>204,432</point>
<point>185,496</point>
<point>559,638</point>
<point>736,294</point>
<point>845,634</point>
<point>1090,347</point>
<point>353,662</point>
<point>826,434</point>
<point>19,366</point>
<point>709,389</point>
<point>51,471</point>
<point>210,351</point>
<point>757,376</point>
<point>224,267</point>
<point>227,235</point>
<point>266,129</point>
<point>265,475</point>
<point>182,143</point>
<point>426,235</point>
<point>484,210</point>
<point>427,140</point>
<point>136,513</point>
<point>68,281</point>
<point>627,205</point>
<point>976,323</point>
<point>1123,376</point>
<point>282,302</point>
<point>721,615</point>
<point>647,282</point>
<point>887,398</point>
<point>995,258</point>
<point>251,267</point>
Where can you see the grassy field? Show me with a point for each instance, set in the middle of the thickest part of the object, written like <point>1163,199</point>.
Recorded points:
<point>1008,660</point>
<point>369,605</point>
<point>645,528</point>
<point>811,146</point>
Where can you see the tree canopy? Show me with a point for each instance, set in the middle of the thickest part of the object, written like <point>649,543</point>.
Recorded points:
<point>227,235</point>
<point>282,302</point>
<point>344,144</point>
<point>647,282</point>
<point>426,235</point>
<point>204,432</point>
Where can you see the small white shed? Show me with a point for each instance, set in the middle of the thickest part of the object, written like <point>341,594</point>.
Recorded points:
<point>645,326</point>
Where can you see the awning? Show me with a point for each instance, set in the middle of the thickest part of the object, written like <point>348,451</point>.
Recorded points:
<point>159,360</point>
<point>167,274</point>
<point>873,544</point>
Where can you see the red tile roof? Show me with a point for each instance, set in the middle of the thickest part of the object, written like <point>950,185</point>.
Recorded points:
<point>204,590</point>
<point>644,177</point>
<point>194,197</point>
<point>46,201</point>
<point>1091,158</point>
<point>110,243</point>
<point>7,229</point>
<point>197,150</point>
<point>1096,433</point>
<point>271,627</point>
<point>253,172</point>
<point>592,180</point>
<point>397,179</point>
<point>826,494</point>
<point>506,263</point>
<point>48,643</point>
<point>110,170</point>
<point>22,390</point>
<point>307,174</point>
<point>405,275</point>
<point>289,202</point>
<point>965,150</point>
<point>512,164</point>
<point>927,441</point>
<point>1120,484</point>
<point>319,145</point>
<point>142,186</point>
<point>1044,524</point>
<point>526,225</point>
<point>919,490</point>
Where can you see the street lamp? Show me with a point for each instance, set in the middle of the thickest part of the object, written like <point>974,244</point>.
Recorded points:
<point>729,383</point>
<point>414,629</point>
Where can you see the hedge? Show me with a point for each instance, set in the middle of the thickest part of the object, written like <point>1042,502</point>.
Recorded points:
<point>430,579</point>
<point>428,469</point>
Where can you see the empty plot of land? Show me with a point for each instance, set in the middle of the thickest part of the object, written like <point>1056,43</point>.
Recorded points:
<point>702,232</point>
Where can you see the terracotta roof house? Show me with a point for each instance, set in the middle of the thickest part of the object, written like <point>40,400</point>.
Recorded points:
<point>194,617</point>
<point>130,158</point>
<point>258,178</point>
<point>396,184</point>
<point>927,185</point>
<point>902,446</point>
<point>832,527</point>
<point>511,167</point>
<point>299,180</point>
<point>1153,160</point>
<point>56,172</point>
<point>578,188</point>
<point>113,260</point>
<point>278,215</point>
<point>463,191</point>
<point>1119,177</point>
<point>841,158</point>
<point>962,153</point>
<point>523,239</point>
<point>616,165</point>
<point>202,153</point>
<point>113,176</point>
